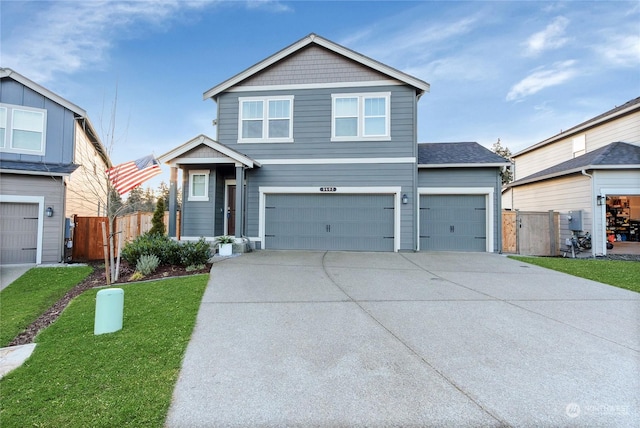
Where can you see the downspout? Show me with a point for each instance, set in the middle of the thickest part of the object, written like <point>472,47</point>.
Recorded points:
<point>595,238</point>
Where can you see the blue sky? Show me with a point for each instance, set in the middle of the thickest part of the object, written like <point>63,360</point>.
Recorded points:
<point>518,71</point>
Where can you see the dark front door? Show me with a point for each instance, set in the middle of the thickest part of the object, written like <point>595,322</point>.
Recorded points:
<point>231,210</point>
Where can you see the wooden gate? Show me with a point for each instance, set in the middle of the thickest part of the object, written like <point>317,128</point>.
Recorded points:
<point>530,233</point>
<point>87,238</point>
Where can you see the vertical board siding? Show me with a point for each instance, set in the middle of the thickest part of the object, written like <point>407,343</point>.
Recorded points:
<point>52,189</point>
<point>312,126</point>
<point>198,216</point>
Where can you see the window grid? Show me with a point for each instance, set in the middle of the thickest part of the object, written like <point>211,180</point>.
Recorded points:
<point>266,120</point>
<point>361,116</point>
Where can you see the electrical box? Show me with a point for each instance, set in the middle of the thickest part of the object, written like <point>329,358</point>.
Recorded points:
<point>575,220</point>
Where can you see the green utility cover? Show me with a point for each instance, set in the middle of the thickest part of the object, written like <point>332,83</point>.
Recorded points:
<point>109,310</point>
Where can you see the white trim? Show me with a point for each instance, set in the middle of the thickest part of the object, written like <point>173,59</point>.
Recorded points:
<point>265,119</point>
<point>31,200</point>
<point>227,183</point>
<point>336,161</point>
<point>489,202</point>
<point>613,191</point>
<point>10,128</point>
<point>7,72</point>
<point>526,180</point>
<point>302,86</point>
<point>203,139</point>
<point>192,173</point>
<point>464,165</point>
<point>360,118</point>
<point>391,190</point>
<point>195,161</point>
<point>26,172</point>
<point>313,38</point>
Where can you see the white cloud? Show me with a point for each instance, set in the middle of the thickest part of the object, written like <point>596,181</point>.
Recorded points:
<point>542,78</point>
<point>552,37</point>
<point>621,50</point>
<point>69,36</point>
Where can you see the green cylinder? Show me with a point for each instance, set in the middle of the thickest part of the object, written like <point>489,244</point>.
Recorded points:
<point>109,310</point>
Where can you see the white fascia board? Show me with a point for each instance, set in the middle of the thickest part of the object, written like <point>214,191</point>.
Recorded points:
<point>172,156</point>
<point>312,38</point>
<point>572,171</point>
<point>25,172</point>
<point>7,72</point>
<point>292,87</point>
<point>336,161</point>
<point>464,165</point>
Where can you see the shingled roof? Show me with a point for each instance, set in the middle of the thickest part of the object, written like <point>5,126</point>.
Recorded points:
<point>611,156</point>
<point>469,154</point>
<point>37,168</point>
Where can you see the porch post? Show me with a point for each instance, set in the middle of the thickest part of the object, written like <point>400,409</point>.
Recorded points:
<point>239,200</point>
<point>173,201</point>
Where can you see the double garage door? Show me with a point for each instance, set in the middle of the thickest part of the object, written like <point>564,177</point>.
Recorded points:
<point>359,222</point>
<point>18,232</point>
<point>453,223</point>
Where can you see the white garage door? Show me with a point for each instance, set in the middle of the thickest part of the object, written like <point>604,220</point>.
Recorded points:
<point>18,232</point>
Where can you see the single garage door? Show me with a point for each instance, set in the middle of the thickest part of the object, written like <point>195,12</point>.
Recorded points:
<point>453,223</point>
<point>329,222</point>
<point>19,232</point>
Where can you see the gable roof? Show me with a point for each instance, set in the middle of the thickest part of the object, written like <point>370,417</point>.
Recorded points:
<point>461,155</point>
<point>420,85</point>
<point>616,155</point>
<point>7,72</point>
<point>174,156</point>
<point>616,112</point>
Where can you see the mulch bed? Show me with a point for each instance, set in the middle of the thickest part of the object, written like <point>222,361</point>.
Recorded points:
<point>96,279</point>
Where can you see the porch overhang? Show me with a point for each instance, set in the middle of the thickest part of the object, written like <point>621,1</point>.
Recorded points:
<point>204,150</point>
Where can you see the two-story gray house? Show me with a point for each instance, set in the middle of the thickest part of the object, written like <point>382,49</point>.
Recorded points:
<point>316,148</point>
<point>50,157</point>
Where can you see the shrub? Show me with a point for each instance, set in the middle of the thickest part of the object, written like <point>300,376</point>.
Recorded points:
<point>157,220</point>
<point>195,253</point>
<point>166,249</point>
<point>191,268</point>
<point>147,264</point>
<point>136,276</point>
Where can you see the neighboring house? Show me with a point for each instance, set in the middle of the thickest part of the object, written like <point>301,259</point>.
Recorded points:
<point>316,148</point>
<point>592,170</point>
<point>43,137</point>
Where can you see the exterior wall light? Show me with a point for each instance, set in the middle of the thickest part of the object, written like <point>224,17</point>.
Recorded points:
<point>405,199</point>
<point>49,212</point>
<point>601,200</point>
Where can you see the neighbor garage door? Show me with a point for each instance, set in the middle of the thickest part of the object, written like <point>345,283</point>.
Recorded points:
<point>329,222</point>
<point>19,232</point>
<point>453,223</point>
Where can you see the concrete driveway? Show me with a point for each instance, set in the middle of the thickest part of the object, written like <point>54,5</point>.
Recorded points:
<point>415,339</point>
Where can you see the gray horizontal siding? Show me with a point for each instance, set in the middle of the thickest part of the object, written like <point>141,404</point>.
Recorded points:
<point>468,178</point>
<point>60,123</point>
<point>312,126</point>
<point>397,175</point>
<point>52,189</point>
<point>198,217</point>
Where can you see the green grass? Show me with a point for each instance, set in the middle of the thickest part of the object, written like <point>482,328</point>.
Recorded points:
<point>126,378</point>
<point>623,274</point>
<point>32,294</point>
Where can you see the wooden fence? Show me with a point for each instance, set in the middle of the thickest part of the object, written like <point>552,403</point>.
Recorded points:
<point>87,232</point>
<point>530,233</point>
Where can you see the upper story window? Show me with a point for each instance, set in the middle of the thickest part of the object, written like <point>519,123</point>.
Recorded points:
<point>360,116</point>
<point>199,185</point>
<point>266,120</point>
<point>22,129</point>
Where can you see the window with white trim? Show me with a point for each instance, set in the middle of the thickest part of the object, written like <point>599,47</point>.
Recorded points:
<point>360,116</point>
<point>266,120</point>
<point>22,129</point>
<point>198,185</point>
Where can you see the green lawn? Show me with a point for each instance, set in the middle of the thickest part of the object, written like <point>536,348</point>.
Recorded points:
<point>623,274</point>
<point>126,378</point>
<point>22,302</point>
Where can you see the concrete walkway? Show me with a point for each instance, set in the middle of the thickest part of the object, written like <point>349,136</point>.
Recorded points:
<point>419,339</point>
<point>9,273</point>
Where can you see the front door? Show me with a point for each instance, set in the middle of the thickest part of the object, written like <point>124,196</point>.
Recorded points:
<point>231,209</point>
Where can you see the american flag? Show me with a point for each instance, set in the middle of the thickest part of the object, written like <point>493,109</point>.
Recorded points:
<point>128,175</point>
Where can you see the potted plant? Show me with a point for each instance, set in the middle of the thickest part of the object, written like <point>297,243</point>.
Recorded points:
<point>225,245</point>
